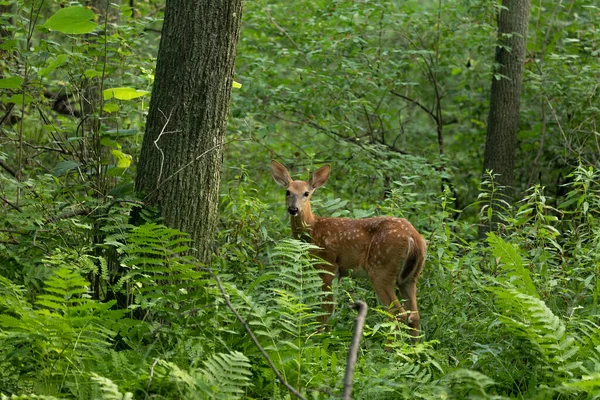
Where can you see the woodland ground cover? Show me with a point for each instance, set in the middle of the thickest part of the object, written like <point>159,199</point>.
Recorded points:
<point>512,314</point>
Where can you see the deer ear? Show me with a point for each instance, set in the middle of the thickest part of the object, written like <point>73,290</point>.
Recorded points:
<point>280,174</point>
<point>320,177</point>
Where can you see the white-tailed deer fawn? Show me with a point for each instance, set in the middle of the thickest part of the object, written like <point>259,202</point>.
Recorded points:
<point>388,250</point>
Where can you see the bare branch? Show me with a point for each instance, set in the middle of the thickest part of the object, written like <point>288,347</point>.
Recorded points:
<point>8,168</point>
<point>16,207</point>
<point>287,35</point>
<point>416,102</point>
<point>359,323</point>
<point>162,154</point>
<point>69,214</point>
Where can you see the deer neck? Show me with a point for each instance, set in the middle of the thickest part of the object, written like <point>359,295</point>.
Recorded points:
<point>302,223</point>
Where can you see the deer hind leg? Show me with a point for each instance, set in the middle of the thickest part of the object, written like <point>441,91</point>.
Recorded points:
<point>407,283</point>
<point>386,292</point>
<point>327,304</point>
<point>408,291</point>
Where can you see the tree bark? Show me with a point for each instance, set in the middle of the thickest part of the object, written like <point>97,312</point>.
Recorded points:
<point>505,97</point>
<point>180,163</point>
<point>503,118</point>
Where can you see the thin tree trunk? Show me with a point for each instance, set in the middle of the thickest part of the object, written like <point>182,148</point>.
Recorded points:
<point>180,164</point>
<point>505,98</point>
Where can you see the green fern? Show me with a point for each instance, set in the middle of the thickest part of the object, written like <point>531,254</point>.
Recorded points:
<point>65,331</point>
<point>529,319</point>
<point>284,314</point>
<point>109,390</point>
<point>161,274</point>
<point>511,263</point>
<point>223,376</point>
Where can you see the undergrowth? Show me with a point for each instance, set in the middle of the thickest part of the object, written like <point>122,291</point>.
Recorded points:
<point>515,318</point>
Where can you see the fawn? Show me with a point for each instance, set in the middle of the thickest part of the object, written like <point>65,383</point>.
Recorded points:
<point>387,250</point>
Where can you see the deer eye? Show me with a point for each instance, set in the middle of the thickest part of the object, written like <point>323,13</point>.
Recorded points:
<point>306,194</point>
<point>287,192</point>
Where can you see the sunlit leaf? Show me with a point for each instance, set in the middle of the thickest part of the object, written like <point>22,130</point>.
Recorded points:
<point>110,107</point>
<point>124,93</point>
<point>73,20</point>
<point>123,160</point>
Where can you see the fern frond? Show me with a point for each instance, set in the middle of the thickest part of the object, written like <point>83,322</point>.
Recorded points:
<point>223,376</point>
<point>228,373</point>
<point>110,391</point>
<point>529,319</point>
<point>511,263</point>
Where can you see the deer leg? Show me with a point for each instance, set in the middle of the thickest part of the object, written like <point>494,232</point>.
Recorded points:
<point>408,290</point>
<point>386,292</point>
<point>327,304</point>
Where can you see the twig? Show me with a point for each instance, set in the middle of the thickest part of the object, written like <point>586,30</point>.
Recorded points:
<point>151,376</point>
<point>9,109</point>
<point>190,163</point>
<point>16,207</point>
<point>8,168</point>
<point>290,388</point>
<point>162,154</point>
<point>416,102</point>
<point>69,214</point>
<point>287,35</point>
<point>359,323</point>
<point>536,162</point>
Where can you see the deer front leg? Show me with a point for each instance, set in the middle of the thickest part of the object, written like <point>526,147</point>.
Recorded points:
<point>327,304</point>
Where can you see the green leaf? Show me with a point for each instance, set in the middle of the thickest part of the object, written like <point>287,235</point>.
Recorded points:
<point>91,73</point>
<point>72,20</point>
<point>123,160</point>
<point>236,85</point>
<point>13,82</point>
<point>124,93</point>
<point>64,166</point>
<point>110,143</point>
<point>52,64</point>
<point>110,107</point>
<point>18,99</point>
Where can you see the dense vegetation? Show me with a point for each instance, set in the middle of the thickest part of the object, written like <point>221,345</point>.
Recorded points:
<point>369,87</point>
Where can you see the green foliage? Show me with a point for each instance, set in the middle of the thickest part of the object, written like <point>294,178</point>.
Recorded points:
<point>224,376</point>
<point>93,307</point>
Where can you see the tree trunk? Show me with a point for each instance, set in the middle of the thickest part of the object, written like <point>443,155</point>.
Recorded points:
<point>180,164</point>
<point>505,98</point>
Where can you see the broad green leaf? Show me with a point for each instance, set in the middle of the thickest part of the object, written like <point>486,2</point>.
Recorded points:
<point>110,143</point>
<point>52,64</point>
<point>64,166</point>
<point>236,85</point>
<point>123,93</point>
<point>110,107</point>
<point>13,82</point>
<point>73,20</point>
<point>18,99</point>
<point>123,160</point>
<point>91,73</point>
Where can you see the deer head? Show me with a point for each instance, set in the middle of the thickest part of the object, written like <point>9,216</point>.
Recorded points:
<point>298,193</point>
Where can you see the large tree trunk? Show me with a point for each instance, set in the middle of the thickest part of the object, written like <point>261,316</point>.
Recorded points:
<point>180,164</point>
<point>505,98</point>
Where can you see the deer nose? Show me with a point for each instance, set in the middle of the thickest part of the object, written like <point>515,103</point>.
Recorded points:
<point>293,210</point>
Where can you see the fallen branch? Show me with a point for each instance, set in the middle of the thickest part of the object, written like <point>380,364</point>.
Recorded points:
<point>359,323</point>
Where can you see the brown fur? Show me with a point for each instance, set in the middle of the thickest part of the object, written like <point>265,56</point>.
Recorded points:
<point>387,250</point>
